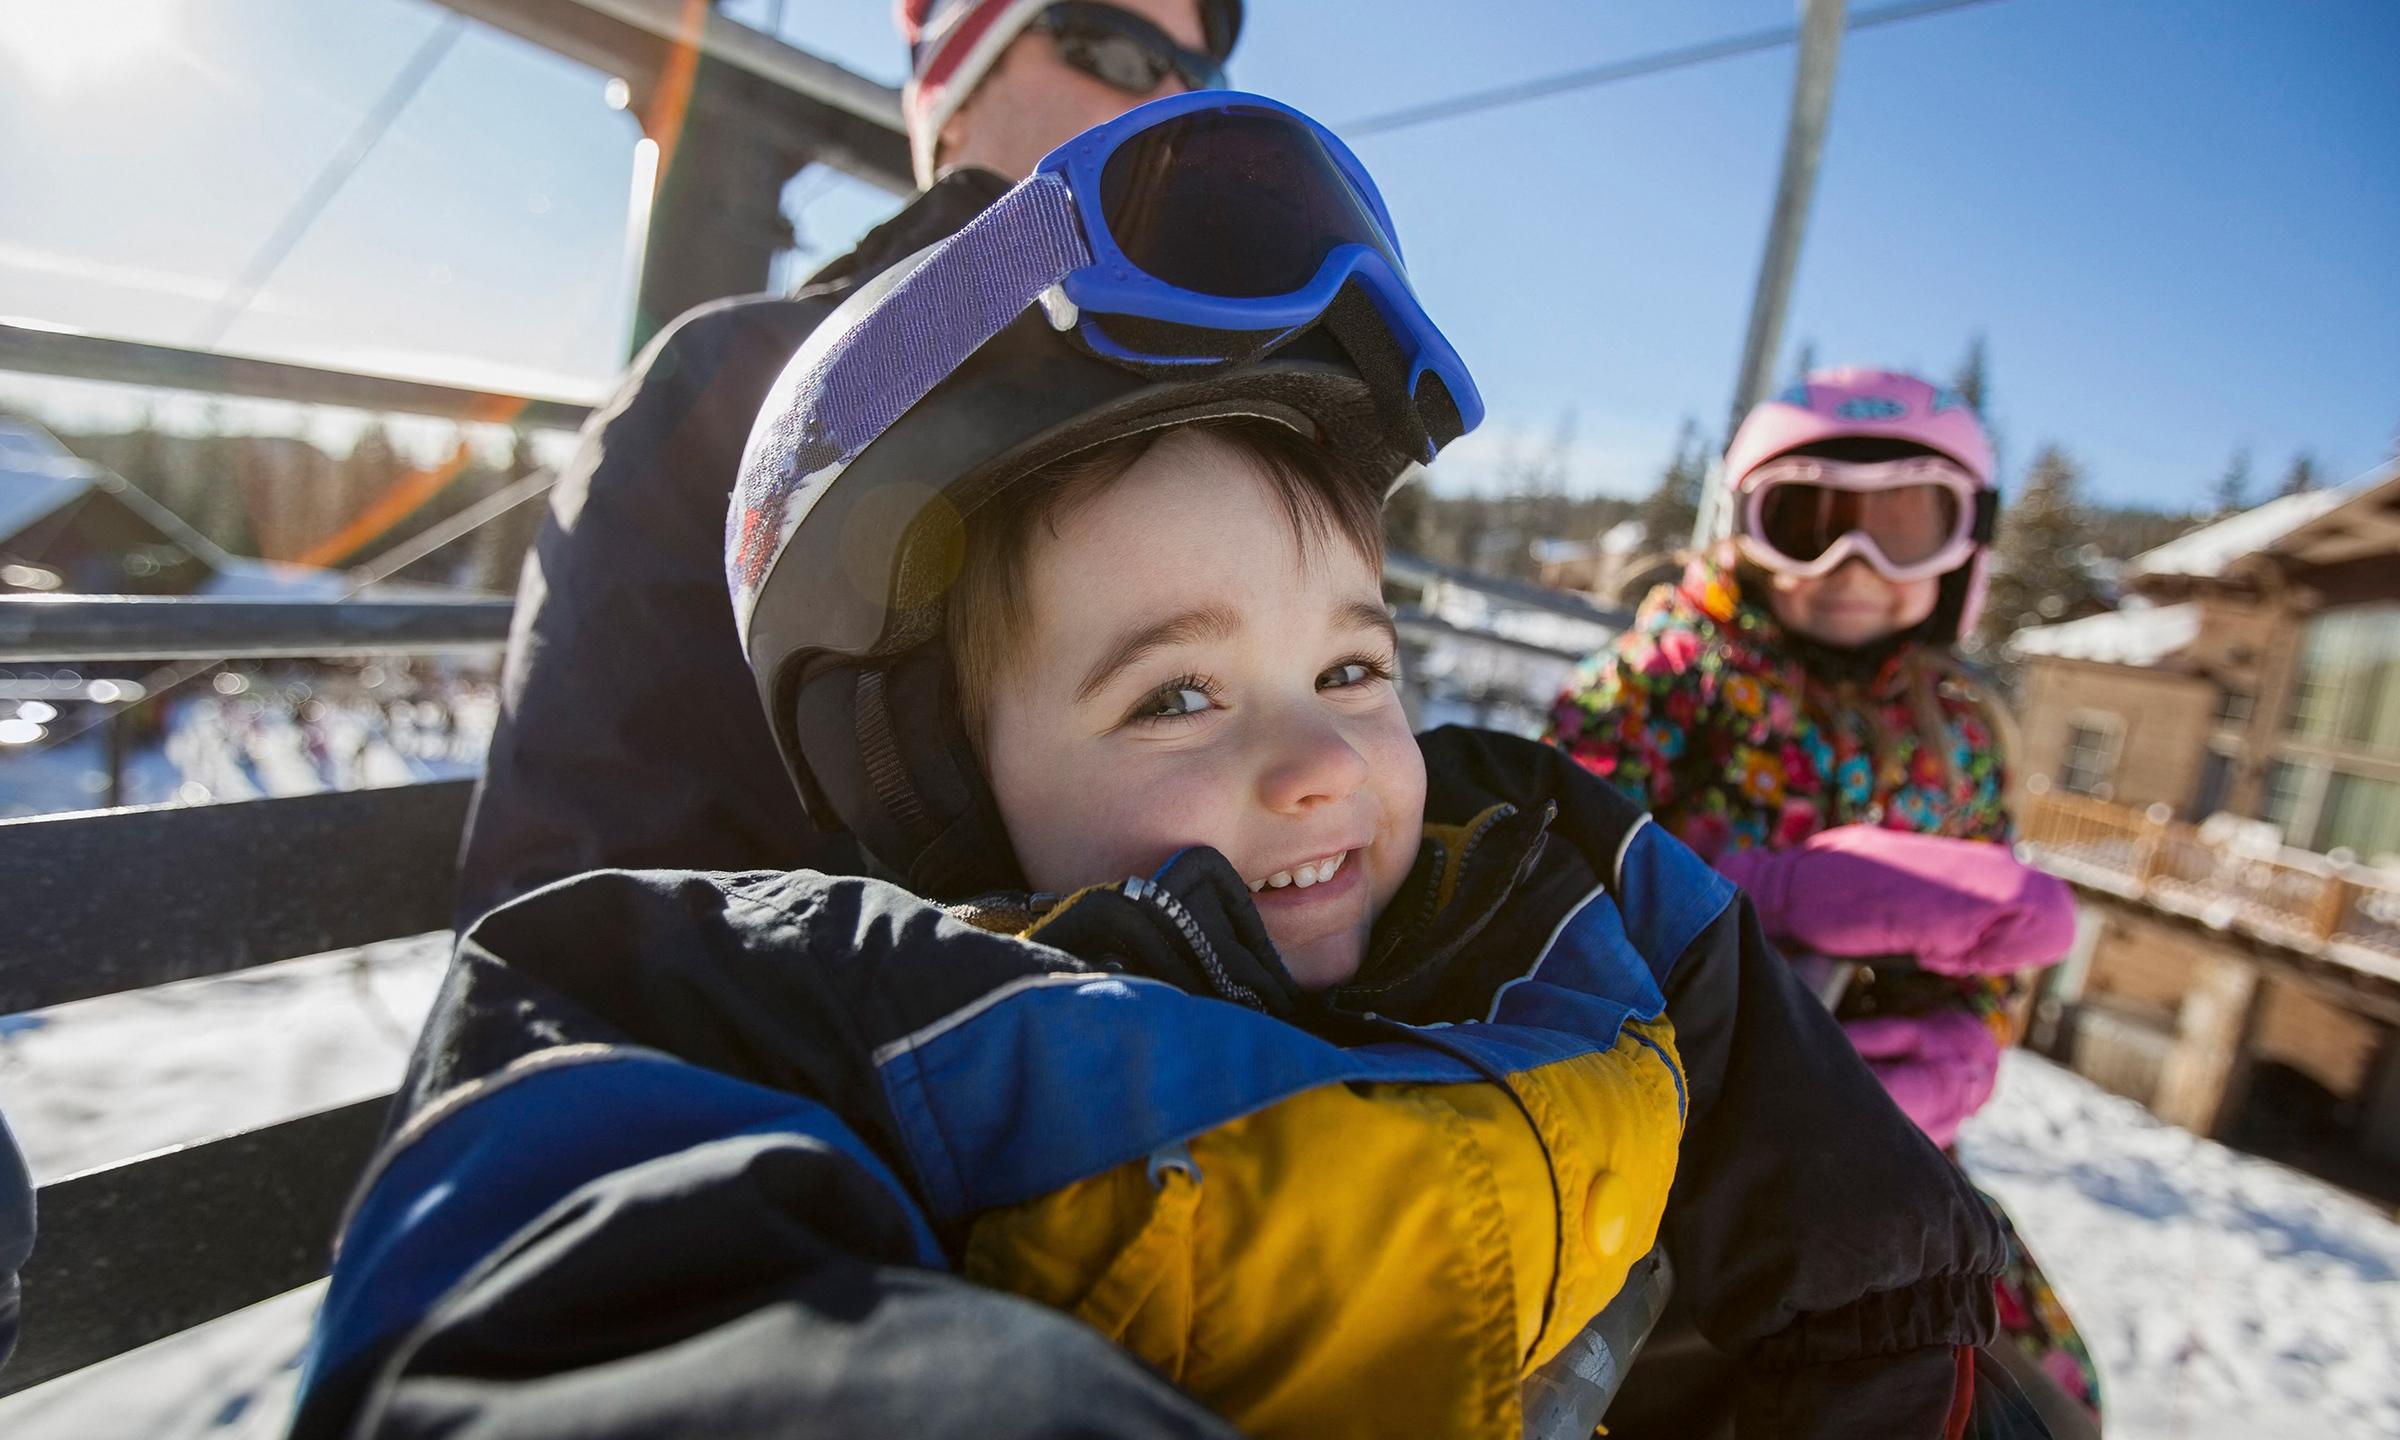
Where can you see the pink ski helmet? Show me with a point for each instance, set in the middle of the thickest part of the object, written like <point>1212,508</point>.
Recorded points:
<point>1854,403</point>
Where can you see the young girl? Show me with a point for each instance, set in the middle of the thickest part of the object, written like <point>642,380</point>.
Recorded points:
<point>1794,710</point>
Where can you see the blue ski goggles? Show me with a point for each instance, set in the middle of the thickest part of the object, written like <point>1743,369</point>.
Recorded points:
<point>1202,229</point>
<point>1218,225</point>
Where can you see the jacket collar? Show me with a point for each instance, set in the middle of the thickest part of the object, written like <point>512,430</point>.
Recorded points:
<point>1195,925</point>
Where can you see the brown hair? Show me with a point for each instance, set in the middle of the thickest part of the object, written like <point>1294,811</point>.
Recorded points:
<point>1326,495</point>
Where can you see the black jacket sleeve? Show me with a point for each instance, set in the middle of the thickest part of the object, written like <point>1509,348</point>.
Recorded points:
<point>630,734</point>
<point>753,1287</point>
<point>1818,1237</point>
<point>1820,1234</point>
<point>16,1233</point>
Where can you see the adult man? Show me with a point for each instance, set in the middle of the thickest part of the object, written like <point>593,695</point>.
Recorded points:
<point>631,734</point>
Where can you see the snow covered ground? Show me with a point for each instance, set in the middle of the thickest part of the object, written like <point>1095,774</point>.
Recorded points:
<point>240,747</point>
<point>103,1080</point>
<point>2224,1296</point>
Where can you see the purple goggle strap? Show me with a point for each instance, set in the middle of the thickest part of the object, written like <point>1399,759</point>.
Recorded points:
<point>967,291</point>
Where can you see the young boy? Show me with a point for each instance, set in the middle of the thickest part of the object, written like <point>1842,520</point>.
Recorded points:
<point>1326,1073</point>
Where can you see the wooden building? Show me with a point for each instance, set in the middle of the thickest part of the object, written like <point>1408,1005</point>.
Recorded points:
<point>2253,670</point>
<point>2216,767</point>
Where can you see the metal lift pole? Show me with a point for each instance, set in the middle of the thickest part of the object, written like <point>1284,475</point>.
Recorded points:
<point>1803,141</point>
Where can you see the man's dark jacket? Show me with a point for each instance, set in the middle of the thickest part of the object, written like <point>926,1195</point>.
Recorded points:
<point>630,734</point>
<point>687,1154</point>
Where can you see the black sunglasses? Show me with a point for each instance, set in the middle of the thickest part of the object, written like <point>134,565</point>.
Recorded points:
<point>1120,48</point>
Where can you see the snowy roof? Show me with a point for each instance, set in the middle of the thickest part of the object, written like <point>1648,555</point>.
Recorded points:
<point>2211,550</point>
<point>1624,538</point>
<point>30,490</point>
<point>22,440</point>
<point>2142,636</point>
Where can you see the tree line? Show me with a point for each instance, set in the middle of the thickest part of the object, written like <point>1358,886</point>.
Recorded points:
<point>285,498</point>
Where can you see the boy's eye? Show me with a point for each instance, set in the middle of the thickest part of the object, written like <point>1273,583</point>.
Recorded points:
<point>1169,702</point>
<point>1352,672</point>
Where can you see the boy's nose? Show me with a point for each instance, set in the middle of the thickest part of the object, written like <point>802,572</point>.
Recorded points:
<point>1309,764</point>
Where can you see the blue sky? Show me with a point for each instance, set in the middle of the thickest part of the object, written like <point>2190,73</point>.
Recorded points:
<point>2174,222</point>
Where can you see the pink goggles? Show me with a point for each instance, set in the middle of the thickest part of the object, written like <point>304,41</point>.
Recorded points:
<point>1911,519</point>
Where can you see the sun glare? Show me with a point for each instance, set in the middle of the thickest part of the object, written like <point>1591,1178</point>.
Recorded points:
<point>63,45</point>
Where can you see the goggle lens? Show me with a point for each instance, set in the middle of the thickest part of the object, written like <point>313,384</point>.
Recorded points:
<point>1124,50</point>
<point>1910,524</point>
<point>1236,203</point>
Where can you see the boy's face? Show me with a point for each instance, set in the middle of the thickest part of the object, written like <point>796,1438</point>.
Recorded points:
<point>1187,677</point>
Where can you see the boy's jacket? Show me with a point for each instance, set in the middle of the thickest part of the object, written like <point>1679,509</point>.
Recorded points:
<point>723,1155</point>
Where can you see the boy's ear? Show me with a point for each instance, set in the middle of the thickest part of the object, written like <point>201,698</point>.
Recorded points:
<point>888,751</point>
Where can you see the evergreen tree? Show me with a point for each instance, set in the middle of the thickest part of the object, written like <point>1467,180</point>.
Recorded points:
<point>1668,513</point>
<point>143,460</point>
<point>217,509</point>
<point>370,469</point>
<point>1804,362</point>
<point>2302,477</point>
<point>2233,487</point>
<point>1548,506</point>
<point>2039,573</point>
<point>1405,524</point>
<point>1973,381</point>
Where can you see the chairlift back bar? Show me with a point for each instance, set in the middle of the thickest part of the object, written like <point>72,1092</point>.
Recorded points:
<point>1402,570</point>
<point>115,900</point>
<point>762,83</point>
<point>47,630</point>
<point>69,355</point>
<point>139,1251</point>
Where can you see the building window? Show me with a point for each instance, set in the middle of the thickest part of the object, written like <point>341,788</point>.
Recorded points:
<point>2347,690</point>
<point>2287,785</point>
<point>2361,814</point>
<point>2233,708</point>
<point>2090,761</point>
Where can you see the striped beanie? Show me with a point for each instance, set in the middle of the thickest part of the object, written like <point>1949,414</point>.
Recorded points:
<point>952,43</point>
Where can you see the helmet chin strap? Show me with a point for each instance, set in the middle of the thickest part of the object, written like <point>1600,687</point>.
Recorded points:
<point>1415,425</point>
<point>892,760</point>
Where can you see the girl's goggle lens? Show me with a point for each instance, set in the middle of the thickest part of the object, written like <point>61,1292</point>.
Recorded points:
<point>1234,203</point>
<point>1910,524</point>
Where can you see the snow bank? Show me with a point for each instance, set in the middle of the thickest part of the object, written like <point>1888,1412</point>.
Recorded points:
<point>104,1080</point>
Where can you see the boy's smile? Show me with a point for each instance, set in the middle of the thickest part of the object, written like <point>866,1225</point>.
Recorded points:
<point>1194,673</point>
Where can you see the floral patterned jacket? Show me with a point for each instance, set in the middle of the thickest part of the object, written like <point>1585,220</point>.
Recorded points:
<point>1703,712</point>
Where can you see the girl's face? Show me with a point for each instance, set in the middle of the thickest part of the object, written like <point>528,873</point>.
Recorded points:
<point>1192,677</point>
<point>1852,606</point>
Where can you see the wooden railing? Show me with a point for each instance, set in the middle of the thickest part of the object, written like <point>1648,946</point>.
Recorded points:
<point>2291,898</point>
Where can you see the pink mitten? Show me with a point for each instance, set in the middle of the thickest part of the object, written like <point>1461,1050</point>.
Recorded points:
<point>1959,907</point>
<point>1939,1068</point>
